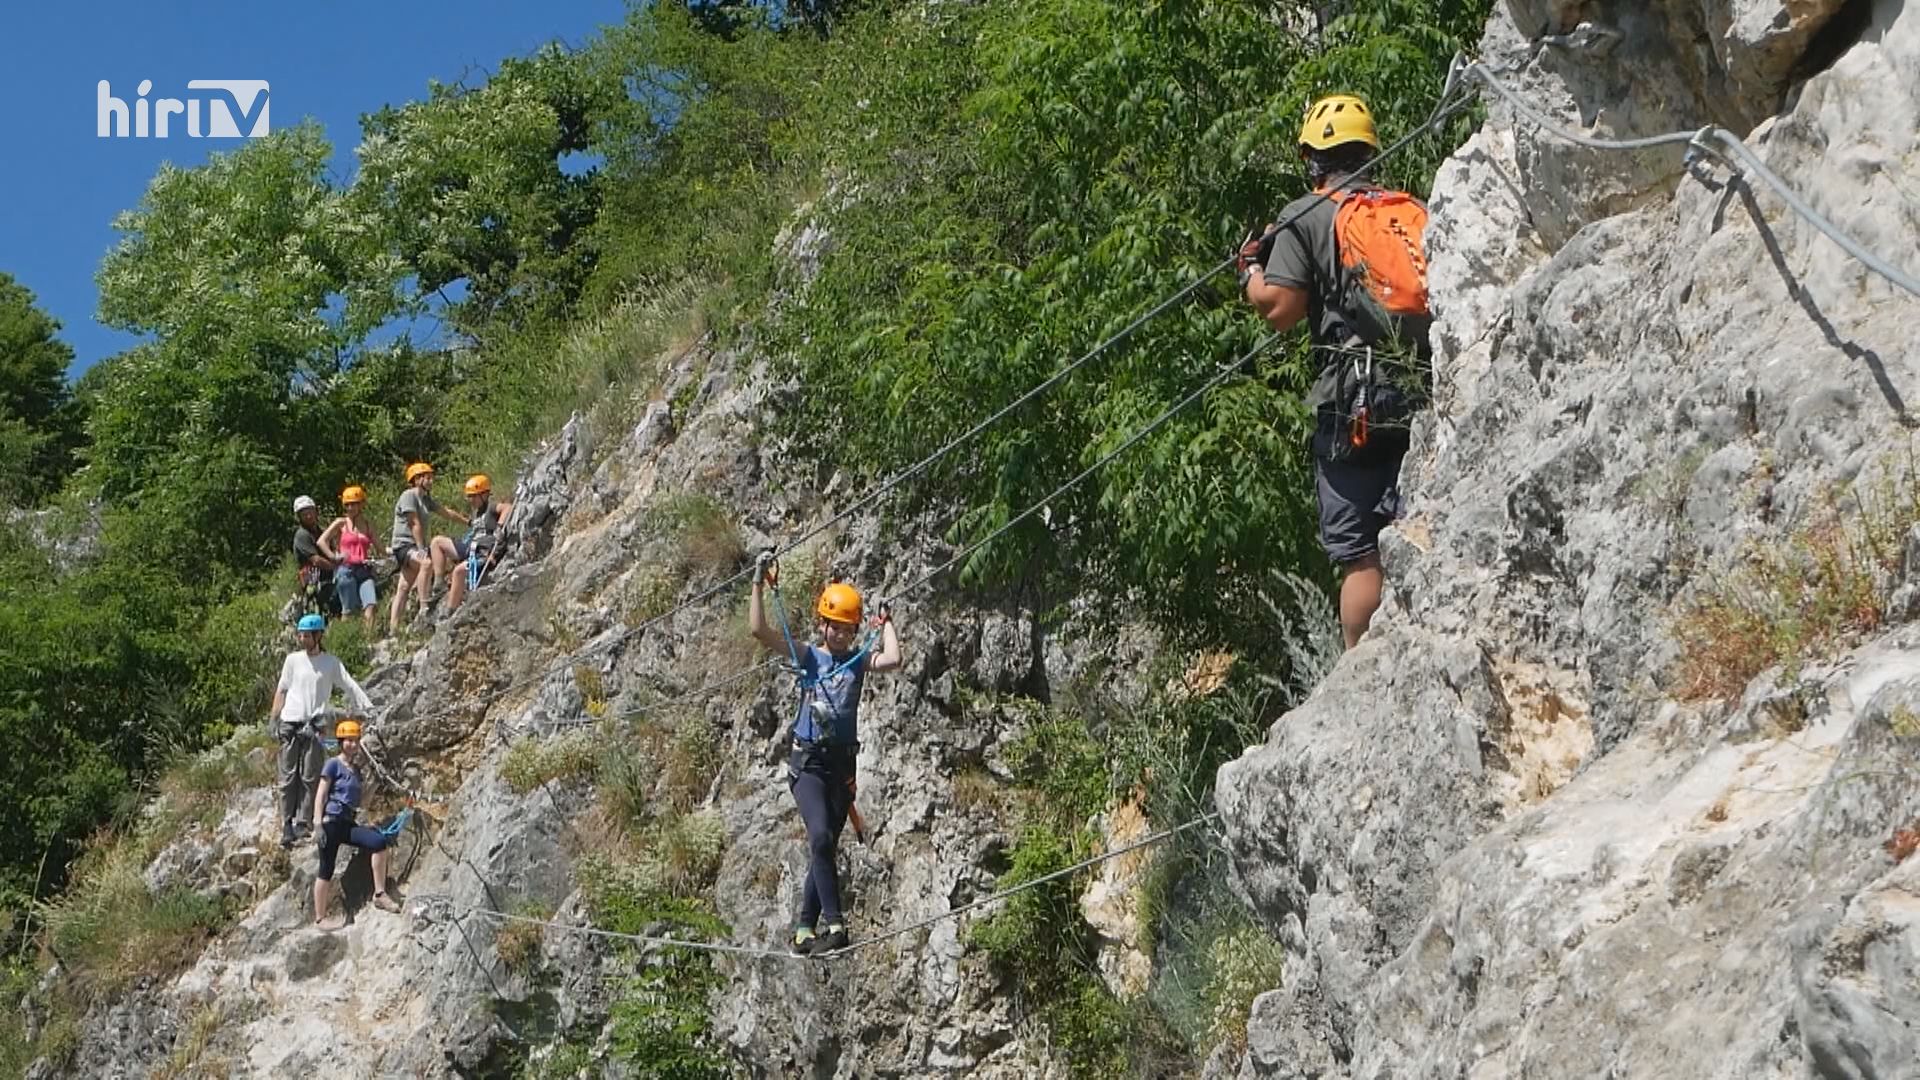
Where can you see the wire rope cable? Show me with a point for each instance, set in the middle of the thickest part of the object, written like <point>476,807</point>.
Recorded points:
<point>1703,140</point>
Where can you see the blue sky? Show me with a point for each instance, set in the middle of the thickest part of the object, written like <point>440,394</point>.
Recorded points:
<point>61,185</point>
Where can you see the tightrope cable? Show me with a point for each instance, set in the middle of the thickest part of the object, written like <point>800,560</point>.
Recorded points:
<point>1127,444</point>
<point>1702,140</point>
<point>1443,110</point>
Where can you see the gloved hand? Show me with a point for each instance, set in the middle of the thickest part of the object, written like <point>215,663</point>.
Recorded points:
<point>765,568</point>
<point>1254,252</point>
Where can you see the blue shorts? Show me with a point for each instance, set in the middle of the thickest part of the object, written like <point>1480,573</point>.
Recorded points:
<point>355,586</point>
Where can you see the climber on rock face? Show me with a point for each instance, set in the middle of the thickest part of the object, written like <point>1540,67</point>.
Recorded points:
<point>316,560</point>
<point>1349,259</point>
<point>334,804</point>
<point>308,677</point>
<point>826,747</point>
<point>421,559</point>
<point>486,539</point>
<point>354,538</point>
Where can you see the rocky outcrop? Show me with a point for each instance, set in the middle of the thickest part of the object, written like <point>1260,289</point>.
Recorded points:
<point>1495,842</point>
<point>545,651</point>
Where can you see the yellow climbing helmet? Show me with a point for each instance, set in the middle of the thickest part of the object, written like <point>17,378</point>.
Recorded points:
<point>347,729</point>
<point>417,470</point>
<point>839,603</point>
<point>354,494</point>
<point>1341,118</point>
<point>478,484</point>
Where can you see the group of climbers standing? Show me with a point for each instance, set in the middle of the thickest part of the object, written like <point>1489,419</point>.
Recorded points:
<point>319,797</point>
<point>337,572</point>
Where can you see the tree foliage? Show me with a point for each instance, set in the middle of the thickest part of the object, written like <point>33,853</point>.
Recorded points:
<point>40,423</point>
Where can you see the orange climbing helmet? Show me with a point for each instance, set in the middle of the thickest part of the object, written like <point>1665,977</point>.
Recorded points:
<point>839,603</point>
<point>347,729</point>
<point>478,484</point>
<point>1341,118</point>
<point>417,470</point>
<point>354,494</point>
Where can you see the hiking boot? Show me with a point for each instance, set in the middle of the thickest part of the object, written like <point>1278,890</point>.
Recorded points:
<point>331,923</point>
<point>833,940</point>
<point>287,837</point>
<point>385,903</point>
<point>803,939</point>
<point>303,830</point>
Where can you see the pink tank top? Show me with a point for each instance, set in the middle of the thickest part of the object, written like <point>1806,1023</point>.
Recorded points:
<point>354,544</point>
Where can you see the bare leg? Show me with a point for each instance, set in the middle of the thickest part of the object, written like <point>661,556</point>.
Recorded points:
<point>1359,597</point>
<point>407,574</point>
<point>457,591</point>
<point>424,576</point>
<point>379,872</point>
<point>322,892</point>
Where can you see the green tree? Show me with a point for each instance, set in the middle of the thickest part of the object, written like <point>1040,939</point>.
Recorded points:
<point>258,283</point>
<point>474,187</point>
<point>40,423</point>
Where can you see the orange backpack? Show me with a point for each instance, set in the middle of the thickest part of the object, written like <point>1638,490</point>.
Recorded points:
<point>1377,235</point>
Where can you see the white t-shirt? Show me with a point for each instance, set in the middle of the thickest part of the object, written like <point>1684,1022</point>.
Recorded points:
<point>309,683</point>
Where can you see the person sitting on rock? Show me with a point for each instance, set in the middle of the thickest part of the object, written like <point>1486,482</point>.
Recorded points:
<point>422,559</point>
<point>335,803</point>
<point>308,677</point>
<point>826,746</point>
<point>316,560</point>
<point>1362,410</point>
<point>485,542</point>
<point>355,539</point>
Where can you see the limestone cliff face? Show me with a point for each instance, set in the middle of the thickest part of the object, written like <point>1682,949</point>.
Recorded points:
<point>534,658</point>
<point>1496,842</point>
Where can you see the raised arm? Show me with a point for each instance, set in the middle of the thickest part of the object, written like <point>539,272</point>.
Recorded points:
<point>757,624</point>
<point>326,538</point>
<point>889,658</point>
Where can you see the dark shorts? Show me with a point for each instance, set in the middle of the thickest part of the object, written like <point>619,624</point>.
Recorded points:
<point>1357,499</point>
<point>404,550</point>
<point>337,831</point>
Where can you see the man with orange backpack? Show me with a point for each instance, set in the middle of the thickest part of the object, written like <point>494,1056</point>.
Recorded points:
<point>1349,259</point>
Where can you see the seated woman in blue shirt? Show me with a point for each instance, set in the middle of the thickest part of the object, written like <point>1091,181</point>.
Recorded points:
<point>334,804</point>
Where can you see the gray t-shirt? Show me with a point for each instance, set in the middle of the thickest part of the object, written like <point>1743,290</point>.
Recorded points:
<point>412,501</point>
<point>1304,257</point>
<point>306,546</point>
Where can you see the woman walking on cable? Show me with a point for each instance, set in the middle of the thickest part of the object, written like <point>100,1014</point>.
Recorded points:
<point>826,743</point>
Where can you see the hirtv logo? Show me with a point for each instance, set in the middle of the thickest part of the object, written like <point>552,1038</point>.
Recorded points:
<point>224,99</point>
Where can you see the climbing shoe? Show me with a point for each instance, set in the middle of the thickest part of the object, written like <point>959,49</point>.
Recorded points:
<point>385,903</point>
<point>833,940</point>
<point>803,939</point>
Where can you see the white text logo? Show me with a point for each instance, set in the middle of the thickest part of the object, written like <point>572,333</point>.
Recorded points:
<point>230,109</point>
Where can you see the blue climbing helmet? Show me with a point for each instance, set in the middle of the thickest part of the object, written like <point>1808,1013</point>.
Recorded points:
<point>313,623</point>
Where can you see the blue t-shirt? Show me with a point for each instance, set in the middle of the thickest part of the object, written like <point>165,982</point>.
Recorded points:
<point>344,794</point>
<point>830,707</point>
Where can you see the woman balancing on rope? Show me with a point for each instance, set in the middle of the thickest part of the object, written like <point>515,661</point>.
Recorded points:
<point>825,736</point>
<point>335,804</point>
